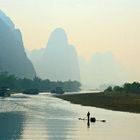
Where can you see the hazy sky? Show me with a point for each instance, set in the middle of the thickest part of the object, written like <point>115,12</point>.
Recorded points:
<point>91,25</point>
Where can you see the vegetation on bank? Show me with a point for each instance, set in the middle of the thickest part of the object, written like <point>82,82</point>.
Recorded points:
<point>116,101</point>
<point>126,88</point>
<point>125,98</point>
<point>20,85</point>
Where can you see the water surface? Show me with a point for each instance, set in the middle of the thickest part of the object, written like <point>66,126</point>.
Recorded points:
<point>44,117</point>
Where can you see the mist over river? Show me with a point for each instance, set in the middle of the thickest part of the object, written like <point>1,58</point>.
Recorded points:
<point>44,117</point>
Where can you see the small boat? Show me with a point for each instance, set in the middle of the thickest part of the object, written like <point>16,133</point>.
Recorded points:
<point>58,90</point>
<point>31,91</point>
<point>92,119</point>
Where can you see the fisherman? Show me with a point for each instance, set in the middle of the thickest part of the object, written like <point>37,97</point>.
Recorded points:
<point>88,117</point>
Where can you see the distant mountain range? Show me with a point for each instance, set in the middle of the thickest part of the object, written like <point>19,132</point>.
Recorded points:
<point>58,61</point>
<point>13,58</point>
<point>101,70</point>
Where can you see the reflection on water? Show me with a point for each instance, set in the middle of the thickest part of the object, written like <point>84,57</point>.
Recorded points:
<point>60,129</point>
<point>11,125</point>
<point>44,117</point>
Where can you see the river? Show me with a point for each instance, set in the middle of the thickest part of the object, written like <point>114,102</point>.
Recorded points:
<point>44,117</point>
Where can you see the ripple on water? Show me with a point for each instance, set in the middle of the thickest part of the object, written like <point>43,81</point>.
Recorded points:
<point>44,117</point>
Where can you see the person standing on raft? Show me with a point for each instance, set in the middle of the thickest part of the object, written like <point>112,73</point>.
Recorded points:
<point>88,118</point>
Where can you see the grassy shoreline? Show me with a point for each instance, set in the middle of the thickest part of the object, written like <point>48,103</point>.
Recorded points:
<point>111,101</point>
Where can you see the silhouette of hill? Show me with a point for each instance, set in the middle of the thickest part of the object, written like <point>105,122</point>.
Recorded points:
<point>58,61</point>
<point>102,68</point>
<point>13,58</point>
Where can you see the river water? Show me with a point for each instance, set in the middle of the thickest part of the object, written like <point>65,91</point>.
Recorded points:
<point>44,117</point>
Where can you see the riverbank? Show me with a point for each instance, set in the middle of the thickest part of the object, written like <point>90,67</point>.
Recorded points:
<point>112,101</point>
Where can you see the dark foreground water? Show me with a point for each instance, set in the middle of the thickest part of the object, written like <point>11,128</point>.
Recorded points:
<point>44,117</point>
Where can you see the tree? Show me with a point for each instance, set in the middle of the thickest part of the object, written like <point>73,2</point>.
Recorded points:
<point>118,89</point>
<point>109,89</point>
<point>20,85</point>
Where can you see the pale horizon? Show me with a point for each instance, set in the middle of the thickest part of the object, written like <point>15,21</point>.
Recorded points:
<point>92,26</point>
